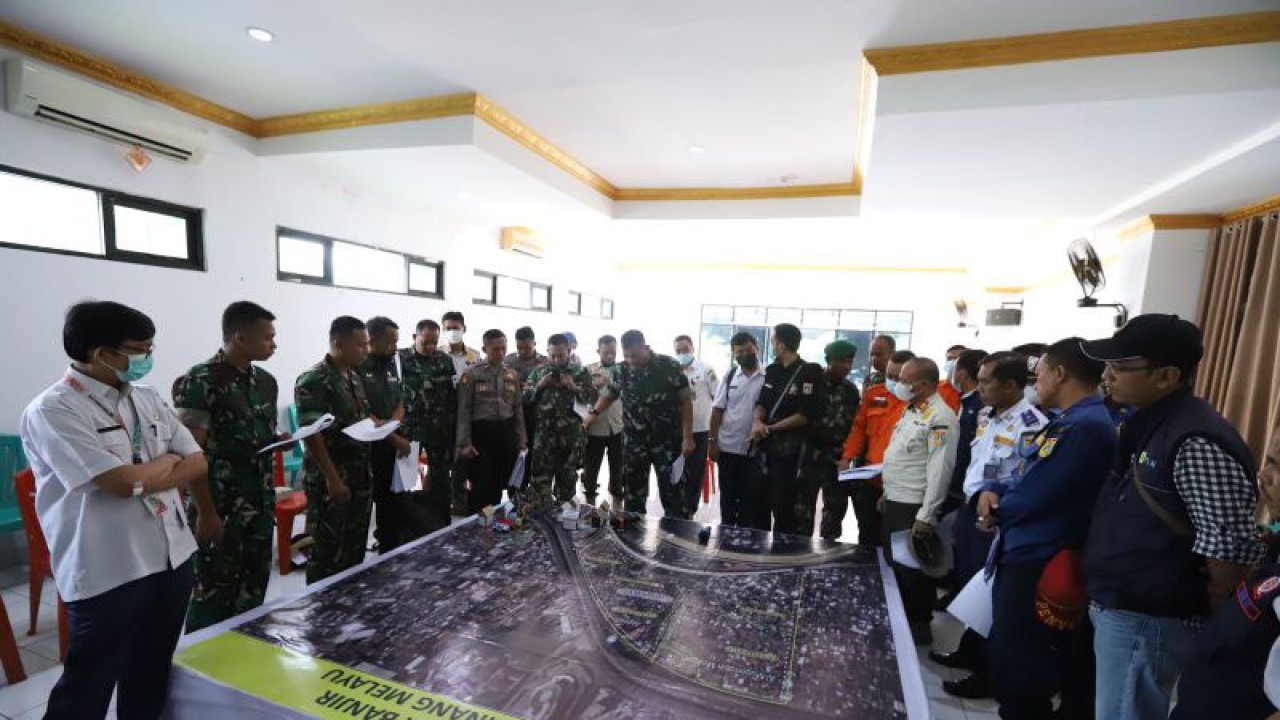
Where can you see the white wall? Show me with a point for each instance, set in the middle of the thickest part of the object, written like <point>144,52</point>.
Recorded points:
<point>244,198</point>
<point>1175,272</point>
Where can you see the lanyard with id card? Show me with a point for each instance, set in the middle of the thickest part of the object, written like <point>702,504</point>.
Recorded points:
<point>155,504</point>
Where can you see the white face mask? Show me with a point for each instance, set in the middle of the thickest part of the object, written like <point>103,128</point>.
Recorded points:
<point>1031,394</point>
<point>901,390</point>
<point>949,371</point>
<point>453,337</point>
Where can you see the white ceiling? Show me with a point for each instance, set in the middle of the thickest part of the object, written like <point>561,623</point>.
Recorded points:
<point>770,89</point>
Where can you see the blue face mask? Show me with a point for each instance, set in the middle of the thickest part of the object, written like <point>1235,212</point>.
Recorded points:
<point>1274,527</point>
<point>685,358</point>
<point>139,366</point>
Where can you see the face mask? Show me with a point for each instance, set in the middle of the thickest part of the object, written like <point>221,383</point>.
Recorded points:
<point>453,337</point>
<point>139,366</point>
<point>749,362</point>
<point>1031,394</point>
<point>901,390</point>
<point>685,358</point>
<point>1274,527</point>
<point>949,371</point>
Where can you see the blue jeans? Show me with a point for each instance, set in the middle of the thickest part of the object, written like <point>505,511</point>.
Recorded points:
<point>1139,660</point>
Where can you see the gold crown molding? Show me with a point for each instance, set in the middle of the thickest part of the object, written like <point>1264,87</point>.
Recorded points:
<point>1005,290</point>
<point>507,124</point>
<point>1135,228</point>
<point>1258,27</point>
<point>786,267</point>
<point>743,193</point>
<point>866,124</point>
<point>43,48</point>
<point>429,108</point>
<point>1148,224</point>
<point>1262,206</point>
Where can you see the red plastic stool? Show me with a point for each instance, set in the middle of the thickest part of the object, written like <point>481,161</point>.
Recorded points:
<point>288,507</point>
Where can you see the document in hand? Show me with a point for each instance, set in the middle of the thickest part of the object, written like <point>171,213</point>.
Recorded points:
<point>368,431</point>
<point>973,605</point>
<point>677,470</point>
<point>406,477</point>
<point>517,473</point>
<point>320,425</point>
<point>866,472</point>
<point>582,409</point>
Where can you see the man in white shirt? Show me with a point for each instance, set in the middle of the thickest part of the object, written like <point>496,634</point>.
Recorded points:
<point>110,460</point>
<point>453,336</point>
<point>744,494</point>
<point>702,383</point>
<point>917,469</point>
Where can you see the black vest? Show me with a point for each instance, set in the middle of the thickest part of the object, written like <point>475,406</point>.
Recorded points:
<point>1135,560</point>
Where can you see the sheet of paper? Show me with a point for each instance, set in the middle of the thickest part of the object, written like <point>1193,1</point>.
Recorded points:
<point>973,605</point>
<point>866,472</point>
<point>677,470</point>
<point>319,426</point>
<point>368,431</point>
<point>406,477</point>
<point>582,409</point>
<point>900,547</point>
<point>517,472</point>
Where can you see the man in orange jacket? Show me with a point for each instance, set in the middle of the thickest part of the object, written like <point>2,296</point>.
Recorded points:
<point>947,389</point>
<point>867,441</point>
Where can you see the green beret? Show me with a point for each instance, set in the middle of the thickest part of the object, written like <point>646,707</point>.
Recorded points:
<point>841,350</point>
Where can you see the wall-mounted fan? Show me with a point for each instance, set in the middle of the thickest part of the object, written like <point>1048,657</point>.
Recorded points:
<point>1088,271</point>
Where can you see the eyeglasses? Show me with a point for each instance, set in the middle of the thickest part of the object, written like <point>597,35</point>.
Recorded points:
<point>134,351</point>
<point>1113,367</point>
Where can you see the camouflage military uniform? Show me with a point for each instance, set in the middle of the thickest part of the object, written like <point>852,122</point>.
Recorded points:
<point>558,445</point>
<point>238,410</point>
<point>431,418</point>
<point>651,397</point>
<point>341,532</point>
<point>838,403</point>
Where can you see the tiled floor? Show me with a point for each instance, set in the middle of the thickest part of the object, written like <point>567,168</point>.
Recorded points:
<point>26,700</point>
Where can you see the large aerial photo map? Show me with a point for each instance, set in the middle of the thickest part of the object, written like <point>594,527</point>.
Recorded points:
<point>647,619</point>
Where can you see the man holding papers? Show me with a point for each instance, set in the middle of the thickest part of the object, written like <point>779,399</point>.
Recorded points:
<point>490,423</point>
<point>552,392</point>
<point>339,491</point>
<point>230,407</point>
<point>430,419</point>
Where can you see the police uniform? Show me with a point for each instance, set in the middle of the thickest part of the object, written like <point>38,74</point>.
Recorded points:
<point>491,420</point>
<point>1045,507</point>
<point>557,448</point>
<point>339,533</point>
<point>238,411</point>
<point>603,435</point>
<point>466,358</point>
<point>917,468</point>
<point>838,407</point>
<point>430,419</point>
<point>788,390</point>
<point>652,396</point>
<point>384,389</point>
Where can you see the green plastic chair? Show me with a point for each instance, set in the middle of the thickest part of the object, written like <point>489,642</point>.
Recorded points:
<point>293,461</point>
<point>12,460</point>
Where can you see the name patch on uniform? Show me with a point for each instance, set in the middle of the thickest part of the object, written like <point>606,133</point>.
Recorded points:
<point>808,389</point>
<point>1247,605</point>
<point>482,387</point>
<point>1002,440</point>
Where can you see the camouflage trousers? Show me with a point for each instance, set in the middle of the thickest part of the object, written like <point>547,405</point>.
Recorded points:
<point>340,533</point>
<point>818,476</point>
<point>554,465</point>
<point>639,453</point>
<point>232,575</point>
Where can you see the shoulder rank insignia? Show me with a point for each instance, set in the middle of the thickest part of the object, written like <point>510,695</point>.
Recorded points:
<point>1047,449</point>
<point>1029,418</point>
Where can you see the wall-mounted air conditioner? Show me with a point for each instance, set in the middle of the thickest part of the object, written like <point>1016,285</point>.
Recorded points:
<point>61,98</point>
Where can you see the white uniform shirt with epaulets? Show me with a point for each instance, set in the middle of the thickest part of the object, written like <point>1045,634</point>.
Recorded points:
<point>995,456</point>
<point>921,455</point>
<point>702,383</point>
<point>77,430</point>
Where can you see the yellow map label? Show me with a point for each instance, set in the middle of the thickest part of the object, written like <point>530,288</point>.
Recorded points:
<point>316,687</point>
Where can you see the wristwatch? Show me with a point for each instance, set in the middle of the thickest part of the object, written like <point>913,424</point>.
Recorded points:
<point>138,486</point>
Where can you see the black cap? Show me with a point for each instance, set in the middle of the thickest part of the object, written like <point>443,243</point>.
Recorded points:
<point>1165,340</point>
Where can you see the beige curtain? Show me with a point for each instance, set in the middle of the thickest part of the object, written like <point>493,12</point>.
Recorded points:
<point>1240,315</point>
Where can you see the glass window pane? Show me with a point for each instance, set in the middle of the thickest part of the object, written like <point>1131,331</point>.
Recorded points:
<point>813,344</point>
<point>901,340</point>
<point>714,348</point>
<point>369,269</point>
<point>606,309</point>
<point>424,278</point>
<point>751,315</point>
<point>301,257</point>
<point>861,361</point>
<point>857,320</point>
<point>785,315</point>
<point>575,303</point>
<point>152,233</point>
<point>893,322</point>
<point>482,288</point>
<point>822,318</point>
<point>717,313</point>
<point>43,214</point>
<point>541,297</point>
<point>513,292</point>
